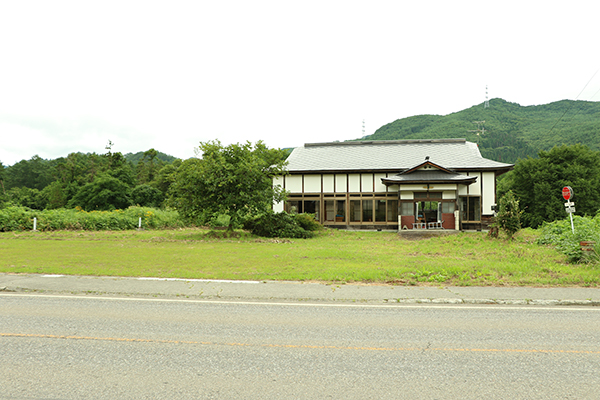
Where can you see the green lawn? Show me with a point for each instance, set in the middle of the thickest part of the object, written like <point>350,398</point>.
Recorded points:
<point>334,256</point>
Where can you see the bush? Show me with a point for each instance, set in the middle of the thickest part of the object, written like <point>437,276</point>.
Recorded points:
<point>21,218</point>
<point>14,218</point>
<point>560,235</point>
<point>509,215</point>
<point>308,222</point>
<point>282,225</point>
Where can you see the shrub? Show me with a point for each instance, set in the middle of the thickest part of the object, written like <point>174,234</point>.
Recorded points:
<point>21,218</point>
<point>509,215</point>
<point>560,235</point>
<point>282,225</point>
<point>308,222</point>
<point>14,218</point>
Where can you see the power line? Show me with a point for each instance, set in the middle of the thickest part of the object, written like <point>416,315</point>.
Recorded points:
<point>571,105</point>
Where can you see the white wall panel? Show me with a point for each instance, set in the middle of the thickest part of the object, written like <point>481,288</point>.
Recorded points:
<point>475,188</point>
<point>354,181</point>
<point>489,188</point>
<point>367,183</point>
<point>328,183</point>
<point>379,186</point>
<point>312,183</point>
<point>448,195</point>
<point>293,183</point>
<point>341,183</point>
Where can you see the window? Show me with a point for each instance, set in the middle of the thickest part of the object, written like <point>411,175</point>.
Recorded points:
<point>340,211</point>
<point>380,210</point>
<point>303,206</point>
<point>392,210</point>
<point>367,207</point>
<point>470,208</point>
<point>329,210</point>
<point>355,211</point>
<point>335,210</point>
<point>407,208</point>
<point>448,207</point>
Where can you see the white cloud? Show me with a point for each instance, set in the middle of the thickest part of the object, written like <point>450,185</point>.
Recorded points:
<point>169,75</point>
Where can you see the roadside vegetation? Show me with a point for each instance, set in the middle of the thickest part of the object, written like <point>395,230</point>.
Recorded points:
<point>463,259</point>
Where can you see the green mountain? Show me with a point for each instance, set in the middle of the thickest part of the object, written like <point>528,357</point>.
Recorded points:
<point>506,131</point>
<point>134,158</point>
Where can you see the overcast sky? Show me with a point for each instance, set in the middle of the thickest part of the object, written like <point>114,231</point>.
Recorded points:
<point>167,75</point>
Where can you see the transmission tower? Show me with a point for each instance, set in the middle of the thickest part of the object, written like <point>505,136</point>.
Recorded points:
<point>480,128</point>
<point>363,128</point>
<point>487,101</point>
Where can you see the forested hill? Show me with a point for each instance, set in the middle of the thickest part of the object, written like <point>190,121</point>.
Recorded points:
<point>510,131</point>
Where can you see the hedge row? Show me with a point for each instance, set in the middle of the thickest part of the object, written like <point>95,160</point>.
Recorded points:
<point>22,218</point>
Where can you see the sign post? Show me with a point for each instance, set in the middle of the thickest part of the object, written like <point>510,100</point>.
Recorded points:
<point>567,193</point>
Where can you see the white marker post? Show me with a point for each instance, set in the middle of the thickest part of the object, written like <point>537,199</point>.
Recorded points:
<point>140,223</point>
<point>35,223</point>
<point>567,193</point>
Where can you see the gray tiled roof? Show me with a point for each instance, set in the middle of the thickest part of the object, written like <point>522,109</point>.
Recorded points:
<point>390,155</point>
<point>429,176</point>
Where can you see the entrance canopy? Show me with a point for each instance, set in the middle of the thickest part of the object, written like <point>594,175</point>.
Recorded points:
<point>428,172</point>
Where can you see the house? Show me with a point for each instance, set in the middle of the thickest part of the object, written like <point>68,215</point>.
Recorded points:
<point>393,184</point>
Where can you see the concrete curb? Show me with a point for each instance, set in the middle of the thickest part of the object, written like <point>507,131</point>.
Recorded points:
<point>201,289</point>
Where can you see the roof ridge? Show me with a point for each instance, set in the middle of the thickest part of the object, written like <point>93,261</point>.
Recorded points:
<point>403,141</point>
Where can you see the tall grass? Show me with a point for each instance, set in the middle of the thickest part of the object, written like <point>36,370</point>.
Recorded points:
<point>21,219</point>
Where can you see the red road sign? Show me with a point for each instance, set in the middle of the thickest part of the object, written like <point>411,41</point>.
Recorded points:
<point>567,192</point>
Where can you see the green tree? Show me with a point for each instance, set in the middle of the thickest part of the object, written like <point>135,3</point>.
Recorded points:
<point>236,180</point>
<point>166,176</point>
<point>509,215</point>
<point>148,166</point>
<point>147,196</point>
<point>104,193</point>
<point>35,173</point>
<point>537,183</point>
<point>2,190</point>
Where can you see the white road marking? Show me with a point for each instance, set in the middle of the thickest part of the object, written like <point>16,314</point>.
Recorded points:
<point>308,304</point>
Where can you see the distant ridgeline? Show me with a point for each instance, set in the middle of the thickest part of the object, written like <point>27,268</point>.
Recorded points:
<point>510,131</point>
<point>134,158</point>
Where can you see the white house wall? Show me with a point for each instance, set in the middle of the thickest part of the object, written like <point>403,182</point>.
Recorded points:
<point>354,182</point>
<point>312,183</point>
<point>366,183</point>
<point>475,188</point>
<point>328,183</point>
<point>293,183</point>
<point>341,183</point>
<point>449,195</point>
<point>379,186</point>
<point>489,188</point>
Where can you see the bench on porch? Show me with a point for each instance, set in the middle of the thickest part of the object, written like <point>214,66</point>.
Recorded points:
<point>435,225</point>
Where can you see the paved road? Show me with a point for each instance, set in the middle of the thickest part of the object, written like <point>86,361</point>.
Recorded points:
<point>87,347</point>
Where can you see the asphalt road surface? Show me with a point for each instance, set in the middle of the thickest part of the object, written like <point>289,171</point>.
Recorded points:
<point>70,347</point>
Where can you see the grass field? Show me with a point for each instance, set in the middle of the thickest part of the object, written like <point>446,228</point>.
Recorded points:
<point>467,258</point>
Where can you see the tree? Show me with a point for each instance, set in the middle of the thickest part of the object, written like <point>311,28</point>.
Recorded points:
<point>35,173</point>
<point>2,191</point>
<point>146,196</point>
<point>509,215</point>
<point>104,193</point>
<point>537,183</point>
<point>148,166</point>
<point>236,180</point>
